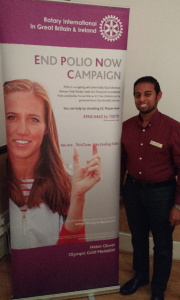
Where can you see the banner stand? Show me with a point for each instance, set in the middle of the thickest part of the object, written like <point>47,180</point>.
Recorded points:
<point>72,295</point>
<point>63,68</point>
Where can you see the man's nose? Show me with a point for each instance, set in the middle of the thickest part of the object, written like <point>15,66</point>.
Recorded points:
<point>142,98</point>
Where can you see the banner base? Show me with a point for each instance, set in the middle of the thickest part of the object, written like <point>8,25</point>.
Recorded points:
<point>77,294</point>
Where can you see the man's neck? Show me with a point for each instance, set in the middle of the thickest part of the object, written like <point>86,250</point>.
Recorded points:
<point>146,118</point>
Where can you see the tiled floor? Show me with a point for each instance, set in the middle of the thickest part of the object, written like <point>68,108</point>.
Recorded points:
<point>125,273</point>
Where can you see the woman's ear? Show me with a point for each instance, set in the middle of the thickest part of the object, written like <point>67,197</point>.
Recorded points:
<point>46,131</point>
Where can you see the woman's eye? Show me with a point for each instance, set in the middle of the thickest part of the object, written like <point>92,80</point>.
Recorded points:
<point>11,118</point>
<point>34,120</point>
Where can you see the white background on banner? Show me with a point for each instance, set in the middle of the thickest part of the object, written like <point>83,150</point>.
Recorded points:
<point>101,206</point>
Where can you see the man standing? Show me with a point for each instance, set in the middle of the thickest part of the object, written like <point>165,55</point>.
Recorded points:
<point>151,193</point>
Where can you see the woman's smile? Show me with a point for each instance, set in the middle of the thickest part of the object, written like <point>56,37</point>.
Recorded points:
<point>21,142</point>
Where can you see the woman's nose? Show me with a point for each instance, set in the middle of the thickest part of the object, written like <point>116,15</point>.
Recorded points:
<point>22,128</point>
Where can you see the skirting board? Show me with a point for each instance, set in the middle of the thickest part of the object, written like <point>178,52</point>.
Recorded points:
<point>126,246</point>
<point>78,294</point>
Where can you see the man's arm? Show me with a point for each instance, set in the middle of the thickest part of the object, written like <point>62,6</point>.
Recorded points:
<point>174,217</point>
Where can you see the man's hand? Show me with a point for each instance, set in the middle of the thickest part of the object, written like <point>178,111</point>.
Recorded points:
<point>174,217</point>
<point>121,202</point>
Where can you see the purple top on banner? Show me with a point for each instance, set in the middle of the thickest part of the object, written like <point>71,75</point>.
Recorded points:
<point>64,268</point>
<point>63,24</point>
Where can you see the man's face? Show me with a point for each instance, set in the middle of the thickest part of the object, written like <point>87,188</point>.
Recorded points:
<point>145,97</point>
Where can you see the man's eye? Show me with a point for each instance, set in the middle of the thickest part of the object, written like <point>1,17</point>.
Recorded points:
<point>148,94</point>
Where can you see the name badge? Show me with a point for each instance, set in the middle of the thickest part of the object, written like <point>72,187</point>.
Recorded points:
<point>156,144</point>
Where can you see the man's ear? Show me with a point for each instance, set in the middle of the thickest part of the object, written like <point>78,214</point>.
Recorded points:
<point>159,95</point>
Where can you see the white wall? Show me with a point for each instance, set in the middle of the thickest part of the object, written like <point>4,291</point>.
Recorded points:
<point>153,49</point>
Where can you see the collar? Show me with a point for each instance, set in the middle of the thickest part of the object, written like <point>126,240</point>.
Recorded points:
<point>153,120</point>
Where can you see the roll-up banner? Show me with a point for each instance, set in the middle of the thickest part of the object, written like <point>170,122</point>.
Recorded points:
<point>63,67</point>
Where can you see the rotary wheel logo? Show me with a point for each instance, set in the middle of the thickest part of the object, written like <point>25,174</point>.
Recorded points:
<point>111,28</point>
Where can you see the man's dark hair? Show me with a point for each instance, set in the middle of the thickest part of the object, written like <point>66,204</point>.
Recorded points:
<point>148,79</point>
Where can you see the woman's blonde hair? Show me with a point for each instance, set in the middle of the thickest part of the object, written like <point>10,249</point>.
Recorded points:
<point>51,182</point>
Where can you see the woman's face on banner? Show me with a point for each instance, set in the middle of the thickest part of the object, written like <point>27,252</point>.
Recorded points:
<point>25,124</point>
